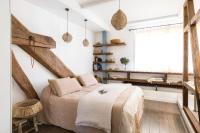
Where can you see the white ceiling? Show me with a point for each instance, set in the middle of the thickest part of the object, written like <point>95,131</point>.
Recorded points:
<point>77,14</point>
<point>88,3</point>
<point>99,12</point>
<point>136,10</point>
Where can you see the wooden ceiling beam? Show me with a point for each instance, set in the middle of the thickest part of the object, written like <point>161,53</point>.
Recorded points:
<point>22,36</point>
<point>48,59</point>
<point>93,3</point>
<point>22,80</point>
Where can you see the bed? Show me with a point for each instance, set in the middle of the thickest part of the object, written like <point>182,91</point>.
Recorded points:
<point>62,111</point>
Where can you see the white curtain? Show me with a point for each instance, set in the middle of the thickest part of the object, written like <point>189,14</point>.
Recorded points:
<point>159,49</point>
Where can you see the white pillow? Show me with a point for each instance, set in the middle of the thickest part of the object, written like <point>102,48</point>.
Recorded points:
<point>64,86</point>
<point>88,80</point>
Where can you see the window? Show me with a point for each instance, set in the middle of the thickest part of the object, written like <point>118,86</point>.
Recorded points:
<point>159,49</point>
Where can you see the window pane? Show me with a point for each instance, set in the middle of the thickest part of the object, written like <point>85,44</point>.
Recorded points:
<point>159,49</point>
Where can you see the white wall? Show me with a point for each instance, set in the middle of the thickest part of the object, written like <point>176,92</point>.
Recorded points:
<point>76,57</point>
<point>123,51</point>
<point>5,71</point>
<point>120,51</point>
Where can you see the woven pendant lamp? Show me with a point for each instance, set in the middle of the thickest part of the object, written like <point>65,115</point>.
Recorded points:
<point>85,41</point>
<point>119,19</point>
<point>67,37</point>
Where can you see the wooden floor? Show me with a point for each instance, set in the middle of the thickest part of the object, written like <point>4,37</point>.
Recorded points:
<point>161,117</point>
<point>158,117</point>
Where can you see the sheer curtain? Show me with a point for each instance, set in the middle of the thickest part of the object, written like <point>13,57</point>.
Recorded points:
<point>159,49</point>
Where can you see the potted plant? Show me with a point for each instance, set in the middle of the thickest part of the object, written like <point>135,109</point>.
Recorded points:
<point>124,61</point>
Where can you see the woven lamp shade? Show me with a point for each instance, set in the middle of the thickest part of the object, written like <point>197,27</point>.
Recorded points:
<point>67,37</point>
<point>27,108</point>
<point>119,20</point>
<point>85,42</point>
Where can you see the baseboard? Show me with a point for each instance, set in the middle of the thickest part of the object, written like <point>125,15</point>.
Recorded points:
<point>170,97</point>
<point>160,99</point>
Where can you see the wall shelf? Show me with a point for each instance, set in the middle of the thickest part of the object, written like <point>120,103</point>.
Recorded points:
<point>141,72</point>
<point>108,53</point>
<point>143,82</point>
<point>108,45</point>
<point>105,62</point>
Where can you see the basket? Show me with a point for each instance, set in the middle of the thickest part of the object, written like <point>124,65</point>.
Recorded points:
<point>27,109</point>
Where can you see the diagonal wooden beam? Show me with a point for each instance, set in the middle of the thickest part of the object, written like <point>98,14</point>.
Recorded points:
<point>22,80</point>
<point>48,59</point>
<point>22,36</point>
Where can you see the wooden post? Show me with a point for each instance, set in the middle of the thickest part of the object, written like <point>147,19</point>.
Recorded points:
<point>195,52</point>
<point>190,20</point>
<point>185,57</point>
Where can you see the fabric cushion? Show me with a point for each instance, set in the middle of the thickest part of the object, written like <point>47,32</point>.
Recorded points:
<point>87,80</point>
<point>64,86</point>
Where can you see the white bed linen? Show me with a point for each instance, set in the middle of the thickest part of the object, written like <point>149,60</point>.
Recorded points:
<point>95,109</point>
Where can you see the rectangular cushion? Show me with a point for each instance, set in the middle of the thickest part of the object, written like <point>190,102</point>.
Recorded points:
<point>64,86</point>
<point>87,80</point>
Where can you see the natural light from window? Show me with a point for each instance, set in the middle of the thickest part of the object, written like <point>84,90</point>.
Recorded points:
<point>160,49</point>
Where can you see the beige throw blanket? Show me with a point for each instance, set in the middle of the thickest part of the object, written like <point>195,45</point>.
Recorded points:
<point>95,109</point>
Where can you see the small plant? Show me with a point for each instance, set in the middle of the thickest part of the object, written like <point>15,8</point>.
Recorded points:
<point>124,61</point>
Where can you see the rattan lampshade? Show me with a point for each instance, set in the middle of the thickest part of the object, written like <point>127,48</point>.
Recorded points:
<point>27,108</point>
<point>119,20</point>
<point>67,37</point>
<point>85,42</point>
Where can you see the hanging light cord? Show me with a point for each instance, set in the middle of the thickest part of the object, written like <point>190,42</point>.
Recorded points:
<point>119,4</point>
<point>85,27</point>
<point>32,43</point>
<point>67,18</point>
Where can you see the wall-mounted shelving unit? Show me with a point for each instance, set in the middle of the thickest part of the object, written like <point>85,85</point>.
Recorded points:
<point>103,53</point>
<point>104,56</point>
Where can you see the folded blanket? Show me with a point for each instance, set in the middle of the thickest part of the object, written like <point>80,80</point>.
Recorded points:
<point>95,108</point>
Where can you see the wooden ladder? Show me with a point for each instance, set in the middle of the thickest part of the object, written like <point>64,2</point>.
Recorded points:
<point>190,27</point>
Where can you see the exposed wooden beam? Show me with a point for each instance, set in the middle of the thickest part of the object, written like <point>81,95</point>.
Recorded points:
<point>190,20</point>
<point>22,36</point>
<point>192,119</point>
<point>186,28</point>
<point>22,80</point>
<point>93,3</point>
<point>196,18</point>
<point>48,59</point>
<point>195,56</point>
